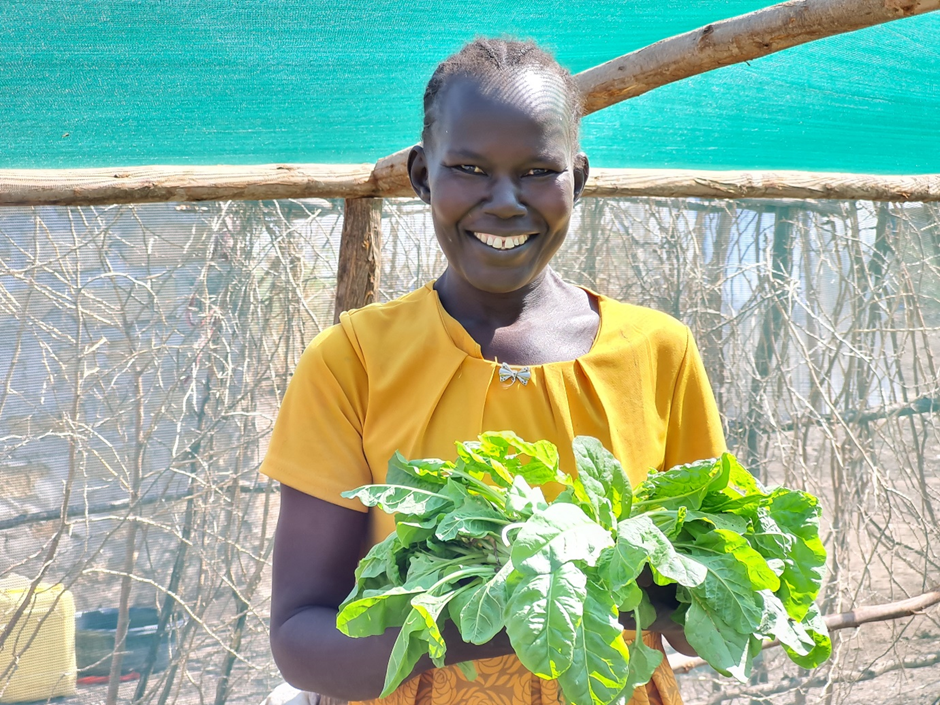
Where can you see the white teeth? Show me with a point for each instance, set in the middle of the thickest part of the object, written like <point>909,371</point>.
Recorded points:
<point>501,243</point>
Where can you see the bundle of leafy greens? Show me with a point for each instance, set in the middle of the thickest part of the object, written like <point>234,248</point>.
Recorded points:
<point>476,543</point>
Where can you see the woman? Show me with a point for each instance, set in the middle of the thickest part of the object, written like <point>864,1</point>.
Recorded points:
<point>498,342</point>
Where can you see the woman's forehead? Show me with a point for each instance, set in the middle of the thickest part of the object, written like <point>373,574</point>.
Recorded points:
<point>531,102</point>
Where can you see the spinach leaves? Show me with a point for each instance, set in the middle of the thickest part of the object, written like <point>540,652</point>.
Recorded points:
<point>476,543</point>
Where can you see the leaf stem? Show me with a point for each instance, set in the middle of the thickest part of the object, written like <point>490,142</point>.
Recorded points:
<point>458,575</point>
<point>481,487</point>
<point>507,529</point>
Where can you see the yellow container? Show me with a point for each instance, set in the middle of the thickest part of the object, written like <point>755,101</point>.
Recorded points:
<point>42,642</point>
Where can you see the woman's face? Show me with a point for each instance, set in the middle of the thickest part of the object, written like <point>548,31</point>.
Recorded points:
<point>501,176</point>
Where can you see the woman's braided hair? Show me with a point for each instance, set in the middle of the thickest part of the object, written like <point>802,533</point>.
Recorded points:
<point>491,59</point>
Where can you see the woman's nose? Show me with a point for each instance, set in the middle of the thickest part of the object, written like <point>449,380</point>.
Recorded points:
<point>504,200</point>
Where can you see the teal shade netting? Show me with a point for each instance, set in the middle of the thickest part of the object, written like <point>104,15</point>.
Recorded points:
<point>92,83</point>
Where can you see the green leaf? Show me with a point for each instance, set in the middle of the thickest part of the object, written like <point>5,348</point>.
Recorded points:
<point>473,455</point>
<point>430,608</point>
<point>523,501</point>
<point>373,614</point>
<point>644,614</point>
<point>669,521</point>
<point>798,514</point>
<point>602,477</point>
<point>721,541</point>
<point>427,569</point>
<point>728,591</point>
<point>575,495</point>
<point>619,565</point>
<point>420,634</point>
<point>644,661</point>
<point>536,462</point>
<point>726,649</point>
<point>429,474</point>
<point>682,486</point>
<point>468,669</point>
<point>640,534</point>
<point>739,479</point>
<point>409,647</point>
<point>744,506</point>
<point>411,533</point>
<point>374,562</point>
<point>398,498</point>
<point>556,535</point>
<point>777,624</point>
<point>815,627</point>
<point>371,572</point>
<point>767,536</point>
<point>628,597</point>
<point>474,517</point>
<point>542,618</point>
<point>481,617</point>
<point>729,522</point>
<point>601,660</point>
<point>455,606</point>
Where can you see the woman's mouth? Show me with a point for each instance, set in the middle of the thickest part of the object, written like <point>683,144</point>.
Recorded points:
<point>499,242</point>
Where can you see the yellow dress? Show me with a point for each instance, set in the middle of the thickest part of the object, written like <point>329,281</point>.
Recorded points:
<point>406,376</point>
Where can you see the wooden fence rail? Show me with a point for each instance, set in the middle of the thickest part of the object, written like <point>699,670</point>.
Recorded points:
<point>153,184</point>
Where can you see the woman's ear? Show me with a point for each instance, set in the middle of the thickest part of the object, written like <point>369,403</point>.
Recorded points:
<point>581,171</point>
<point>418,173</point>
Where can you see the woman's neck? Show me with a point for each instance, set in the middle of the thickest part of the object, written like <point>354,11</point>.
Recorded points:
<point>473,307</point>
<point>547,321</point>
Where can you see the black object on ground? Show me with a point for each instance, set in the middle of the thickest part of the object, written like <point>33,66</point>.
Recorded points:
<point>95,632</point>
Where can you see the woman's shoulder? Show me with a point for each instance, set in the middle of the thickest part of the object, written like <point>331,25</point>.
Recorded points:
<point>391,319</point>
<point>375,335</point>
<point>632,323</point>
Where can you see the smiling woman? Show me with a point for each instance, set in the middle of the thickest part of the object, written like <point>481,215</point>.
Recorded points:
<point>503,169</point>
<point>500,168</point>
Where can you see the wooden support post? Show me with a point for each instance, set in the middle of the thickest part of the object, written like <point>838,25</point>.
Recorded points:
<point>360,252</point>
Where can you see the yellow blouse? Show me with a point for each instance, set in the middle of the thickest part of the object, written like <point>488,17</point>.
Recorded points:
<point>406,376</point>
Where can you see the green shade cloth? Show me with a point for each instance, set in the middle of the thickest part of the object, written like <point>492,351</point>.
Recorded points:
<point>91,83</point>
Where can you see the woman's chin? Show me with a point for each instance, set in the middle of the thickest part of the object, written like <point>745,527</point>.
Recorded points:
<point>502,281</point>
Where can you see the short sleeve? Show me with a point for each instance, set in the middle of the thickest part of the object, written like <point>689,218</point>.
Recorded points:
<point>694,431</point>
<point>316,444</point>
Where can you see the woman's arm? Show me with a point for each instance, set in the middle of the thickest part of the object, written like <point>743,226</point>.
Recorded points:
<point>316,549</point>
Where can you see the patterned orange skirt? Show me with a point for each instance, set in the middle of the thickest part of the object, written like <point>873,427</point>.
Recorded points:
<point>505,681</point>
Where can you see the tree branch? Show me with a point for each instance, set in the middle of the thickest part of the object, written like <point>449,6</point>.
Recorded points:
<point>823,679</point>
<point>109,507</point>
<point>734,41</point>
<point>920,405</point>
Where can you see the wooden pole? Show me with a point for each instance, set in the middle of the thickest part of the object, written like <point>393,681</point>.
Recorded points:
<point>688,183</point>
<point>157,184</point>
<point>91,187</point>
<point>734,41</point>
<point>360,251</point>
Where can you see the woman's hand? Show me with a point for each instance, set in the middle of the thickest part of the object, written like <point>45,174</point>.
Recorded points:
<point>663,598</point>
<point>316,549</point>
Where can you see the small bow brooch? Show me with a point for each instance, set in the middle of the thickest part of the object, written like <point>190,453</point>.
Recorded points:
<point>507,374</point>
